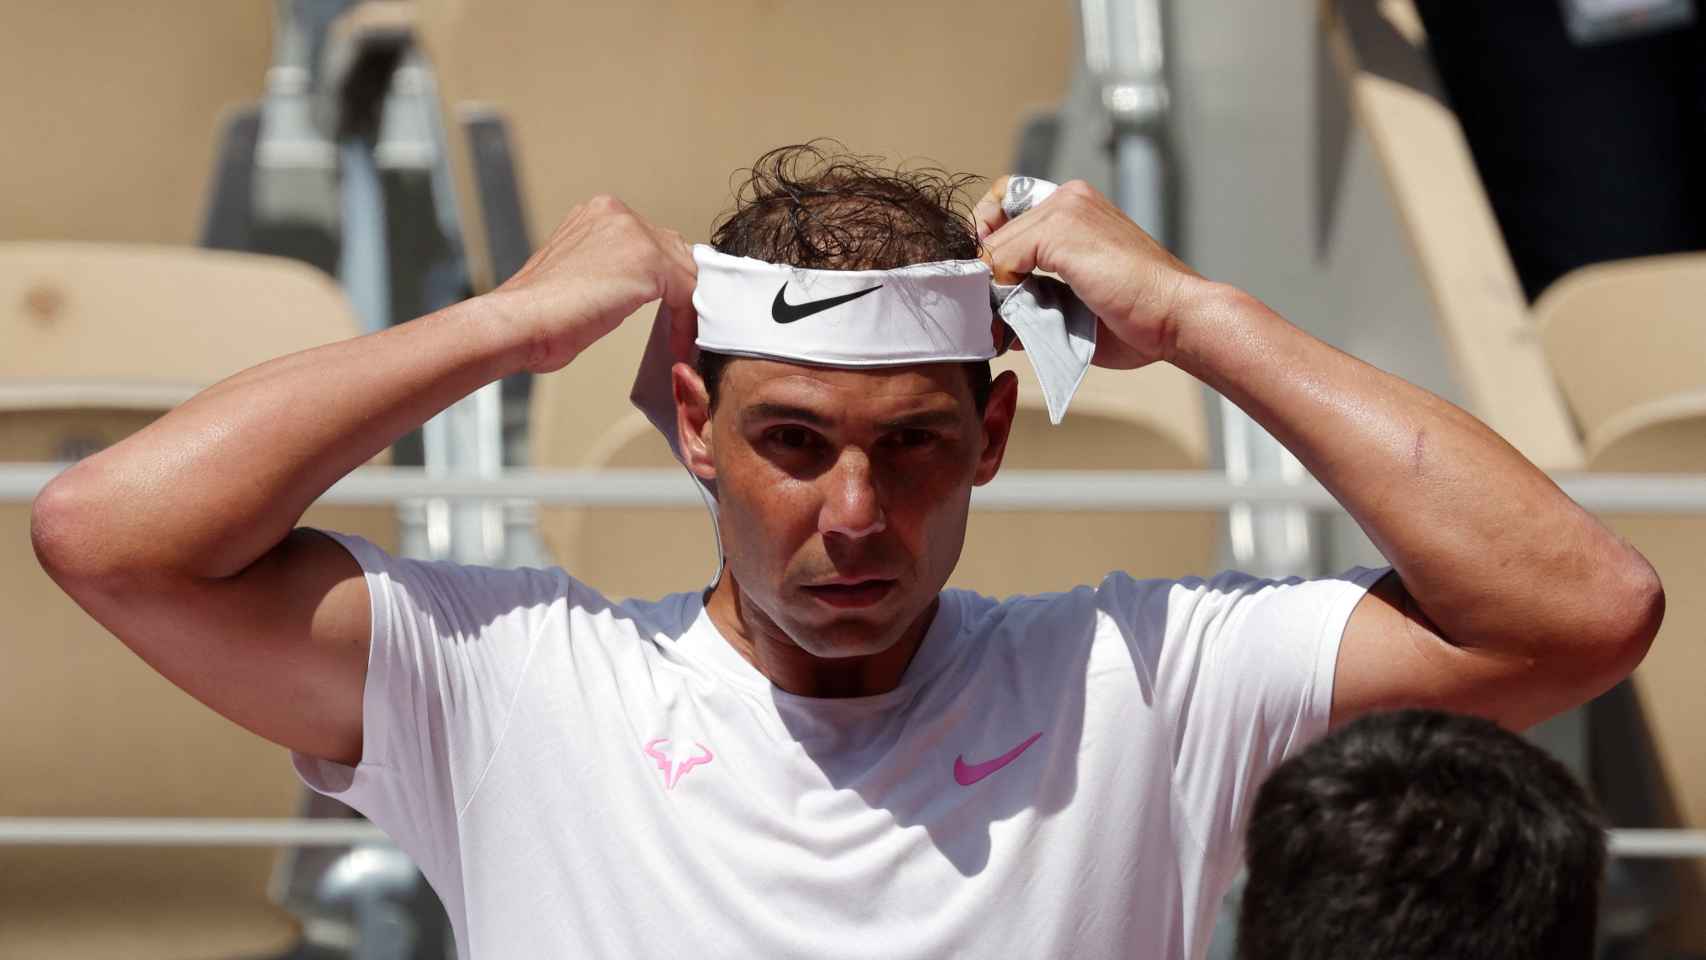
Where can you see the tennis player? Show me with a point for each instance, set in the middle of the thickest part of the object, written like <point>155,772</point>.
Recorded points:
<point>825,754</point>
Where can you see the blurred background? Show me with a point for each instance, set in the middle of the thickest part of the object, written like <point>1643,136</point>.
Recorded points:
<point>1501,201</point>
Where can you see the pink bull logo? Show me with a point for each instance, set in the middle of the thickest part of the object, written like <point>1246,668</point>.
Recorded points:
<point>674,770</point>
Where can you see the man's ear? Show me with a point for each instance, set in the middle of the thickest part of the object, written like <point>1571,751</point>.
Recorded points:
<point>998,415</point>
<point>693,420</point>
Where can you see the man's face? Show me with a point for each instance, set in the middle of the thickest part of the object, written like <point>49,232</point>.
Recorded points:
<point>843,493</point>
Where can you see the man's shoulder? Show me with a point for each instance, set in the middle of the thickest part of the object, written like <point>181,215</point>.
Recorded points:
<point>1111,587</point>
<point>1117,595</point>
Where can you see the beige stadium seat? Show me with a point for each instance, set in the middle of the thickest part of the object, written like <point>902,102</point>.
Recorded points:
<point>112,113</point>
<point>95,342</point>
<point>1621,336</point>
<point>1630,350</point>
<point>660,104</point>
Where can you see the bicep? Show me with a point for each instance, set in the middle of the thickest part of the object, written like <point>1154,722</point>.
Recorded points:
<point>1393,657</point>
<point>280,648</point>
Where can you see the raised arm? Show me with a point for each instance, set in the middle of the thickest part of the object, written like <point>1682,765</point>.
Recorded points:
<point>181,541</point>
<point>1509,599</point>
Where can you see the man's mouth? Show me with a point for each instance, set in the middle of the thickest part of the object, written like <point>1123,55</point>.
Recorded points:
<point>851,592</point>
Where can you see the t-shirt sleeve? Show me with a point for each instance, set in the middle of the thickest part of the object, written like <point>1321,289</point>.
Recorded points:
<point>1243,669</point>
<point>449,647</point>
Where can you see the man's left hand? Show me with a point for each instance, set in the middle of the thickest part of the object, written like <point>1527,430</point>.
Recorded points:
<point>1127,279</point>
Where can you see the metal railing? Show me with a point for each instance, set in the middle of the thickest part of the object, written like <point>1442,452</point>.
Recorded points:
<point>1068,490</point>
<point>205,832</point>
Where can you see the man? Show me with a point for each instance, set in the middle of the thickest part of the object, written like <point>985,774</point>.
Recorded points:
<point>825,754</point>
<point>1418,834</point>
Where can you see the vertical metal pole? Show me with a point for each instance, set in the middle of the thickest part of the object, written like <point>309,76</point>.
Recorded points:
<point>1125,50</point>
<point>465,440</point>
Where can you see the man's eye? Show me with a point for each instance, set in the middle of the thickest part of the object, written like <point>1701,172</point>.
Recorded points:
<point>793,438</point>
<point>911,438</point>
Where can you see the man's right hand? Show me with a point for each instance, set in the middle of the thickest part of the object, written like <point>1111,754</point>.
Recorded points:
<point>603,262</point>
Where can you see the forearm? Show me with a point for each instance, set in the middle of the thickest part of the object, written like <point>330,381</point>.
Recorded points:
<point>214,484</point>
<point>1489,548</point>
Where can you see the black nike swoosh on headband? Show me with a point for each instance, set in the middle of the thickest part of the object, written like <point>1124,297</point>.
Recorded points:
<point>782,311</point>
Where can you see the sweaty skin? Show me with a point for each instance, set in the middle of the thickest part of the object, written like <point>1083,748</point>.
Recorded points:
<point>844,492</point>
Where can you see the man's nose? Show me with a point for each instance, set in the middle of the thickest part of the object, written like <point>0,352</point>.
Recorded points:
<point>851,504</point>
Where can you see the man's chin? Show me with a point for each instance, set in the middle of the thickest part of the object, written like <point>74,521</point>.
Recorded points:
<point>845,633</point>
<point>832,630</point>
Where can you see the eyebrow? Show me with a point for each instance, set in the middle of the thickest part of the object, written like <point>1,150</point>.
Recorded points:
<point>784,411</point>
<point>922,420</point>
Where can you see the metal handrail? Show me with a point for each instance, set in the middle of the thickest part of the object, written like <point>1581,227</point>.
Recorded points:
<point>1068,490</point>
<point>298,832</point>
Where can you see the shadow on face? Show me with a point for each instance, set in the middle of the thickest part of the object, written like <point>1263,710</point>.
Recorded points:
<point>843,493</point>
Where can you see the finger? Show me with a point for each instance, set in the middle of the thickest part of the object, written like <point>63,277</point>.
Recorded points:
<point>1013,251</point>
<point>987,214</point>
<point>680,277</point>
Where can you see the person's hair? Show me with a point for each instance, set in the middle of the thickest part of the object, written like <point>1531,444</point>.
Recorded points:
<point>1418,834</point>
<point>817,206</point>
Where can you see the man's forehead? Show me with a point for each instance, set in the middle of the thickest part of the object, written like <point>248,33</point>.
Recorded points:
<point>755,380</point>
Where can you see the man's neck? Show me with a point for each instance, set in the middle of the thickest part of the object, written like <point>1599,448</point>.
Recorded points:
<point>774,654</point>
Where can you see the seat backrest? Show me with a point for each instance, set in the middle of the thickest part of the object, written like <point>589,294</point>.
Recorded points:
<point>1484,317</point>
<point>113,112</point>
<point>1625,335</point>
<point>96,340</point>
<point>135,325</point>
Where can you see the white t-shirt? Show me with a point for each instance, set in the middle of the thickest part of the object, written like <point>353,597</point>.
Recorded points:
<point>1056,775</point>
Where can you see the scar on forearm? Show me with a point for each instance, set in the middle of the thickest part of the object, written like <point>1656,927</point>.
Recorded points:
<point>1418,450</point>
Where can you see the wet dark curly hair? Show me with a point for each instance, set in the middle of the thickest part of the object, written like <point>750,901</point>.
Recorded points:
<point>816,205</point>
<point>819,206</point>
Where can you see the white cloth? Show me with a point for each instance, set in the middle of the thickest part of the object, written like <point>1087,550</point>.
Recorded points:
<point>579,777</point>
<point>935,312</point>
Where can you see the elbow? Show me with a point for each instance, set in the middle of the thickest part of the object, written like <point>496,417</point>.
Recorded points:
<point>53,528</point>
<point>65,532</point>
<point>1634,608</point>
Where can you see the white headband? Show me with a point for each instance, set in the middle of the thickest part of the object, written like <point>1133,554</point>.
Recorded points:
<point>926,313</point>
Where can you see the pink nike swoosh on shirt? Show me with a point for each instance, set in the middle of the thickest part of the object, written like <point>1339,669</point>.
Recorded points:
<point>966,774</point>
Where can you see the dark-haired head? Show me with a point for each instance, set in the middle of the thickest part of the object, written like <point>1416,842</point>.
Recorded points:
<point>1418,834</point>
<point>829,473</point>
<point>816,205</point>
